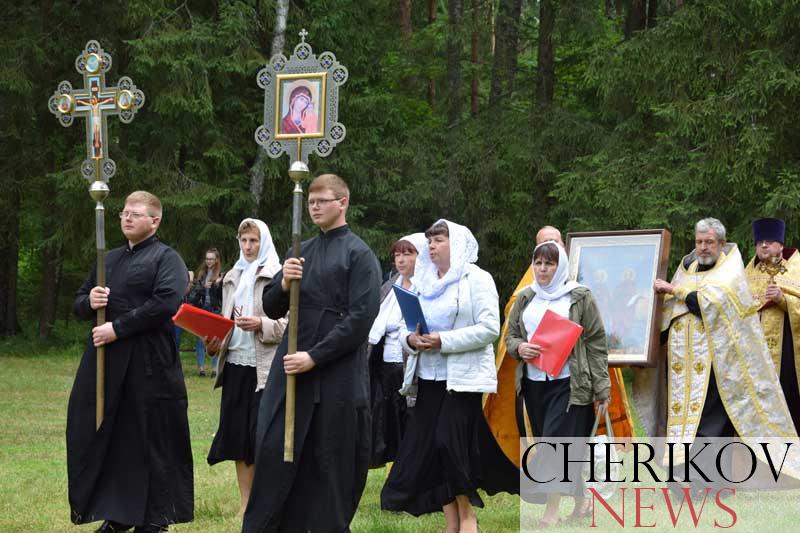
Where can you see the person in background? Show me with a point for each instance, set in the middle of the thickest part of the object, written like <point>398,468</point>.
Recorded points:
<point>206,294</point>
<point>387,359</point>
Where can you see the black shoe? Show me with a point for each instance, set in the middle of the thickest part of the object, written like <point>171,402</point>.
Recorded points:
<point>112,527</point>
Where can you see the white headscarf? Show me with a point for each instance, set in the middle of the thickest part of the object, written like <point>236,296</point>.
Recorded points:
<point>389,306</point>
<point>560,284</point>
<point>553,295</point>
<point>267,258</point>
<point>463,251</point>
<point>418,241</point>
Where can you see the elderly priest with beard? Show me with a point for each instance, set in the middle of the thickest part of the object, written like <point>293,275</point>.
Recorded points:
<point>774,278</point>
<point>720,378</point>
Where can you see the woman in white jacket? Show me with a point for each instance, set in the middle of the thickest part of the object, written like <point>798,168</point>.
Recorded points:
<point>438,464</point>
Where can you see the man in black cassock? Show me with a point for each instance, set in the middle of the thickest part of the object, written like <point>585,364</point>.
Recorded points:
<point>136,470</point>
<point>340,281</point>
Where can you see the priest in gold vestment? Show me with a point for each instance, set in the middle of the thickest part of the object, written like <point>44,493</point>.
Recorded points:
<point>774,279</point>
<point>721,381</point>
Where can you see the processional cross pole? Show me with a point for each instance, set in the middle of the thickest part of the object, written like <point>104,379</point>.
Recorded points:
<point>301,110</point>
<point>95,102</point>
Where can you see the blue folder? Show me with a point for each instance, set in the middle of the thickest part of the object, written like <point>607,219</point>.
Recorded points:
<point>411,309</point>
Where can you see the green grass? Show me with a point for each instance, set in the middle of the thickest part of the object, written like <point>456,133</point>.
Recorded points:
<point>35,380</point>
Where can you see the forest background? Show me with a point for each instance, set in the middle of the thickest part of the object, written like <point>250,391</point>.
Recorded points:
<point>502,115</point>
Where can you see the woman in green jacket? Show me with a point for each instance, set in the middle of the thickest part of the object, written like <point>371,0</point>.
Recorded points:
<point>559,406</point>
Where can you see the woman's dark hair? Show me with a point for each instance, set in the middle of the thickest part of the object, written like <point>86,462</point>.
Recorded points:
<point>402,246</point>
<point>547,251</point>
<point>440,228</point>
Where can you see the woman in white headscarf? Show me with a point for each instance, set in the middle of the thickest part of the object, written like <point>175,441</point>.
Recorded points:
<point>389,407</point>
<point>245,355</point>
<point>438,466</point>
<point>561,406</point>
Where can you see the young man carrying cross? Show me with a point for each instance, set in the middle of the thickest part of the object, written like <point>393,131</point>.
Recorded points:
<point>136,469</point>
<point>340,281</point>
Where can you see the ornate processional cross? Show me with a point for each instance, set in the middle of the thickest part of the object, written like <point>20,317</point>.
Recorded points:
<point>95,102</point>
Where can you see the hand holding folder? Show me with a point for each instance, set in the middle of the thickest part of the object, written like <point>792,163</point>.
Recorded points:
<point>202,323</point>
<point>556,336</point>
<point>411,310</point>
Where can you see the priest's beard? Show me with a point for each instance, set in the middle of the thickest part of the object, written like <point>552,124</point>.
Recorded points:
<point>706,261</point>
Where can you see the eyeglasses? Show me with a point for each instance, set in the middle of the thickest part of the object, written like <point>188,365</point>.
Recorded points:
<point>321,201</point>
<point>133,215</point>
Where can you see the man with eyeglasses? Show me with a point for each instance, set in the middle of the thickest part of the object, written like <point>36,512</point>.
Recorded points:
<point>721,381</point>
<point>340,281</point>
<point>135,471</point>
<point>774,278</point>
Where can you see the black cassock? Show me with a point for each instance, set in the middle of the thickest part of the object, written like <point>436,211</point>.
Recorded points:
<point>339,300</point>
<point>137,469</point>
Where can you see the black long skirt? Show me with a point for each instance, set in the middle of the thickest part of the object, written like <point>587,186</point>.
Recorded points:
<point>439,456</point>
<point>546,403</point>
<point>238,412</point>
<point>389,413</point>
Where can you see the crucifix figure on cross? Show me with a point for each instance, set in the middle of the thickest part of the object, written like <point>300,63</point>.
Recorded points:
<point>95,102</point>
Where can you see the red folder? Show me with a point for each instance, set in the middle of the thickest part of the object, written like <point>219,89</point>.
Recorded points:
<point>557,336</point>
<point>201,322</point>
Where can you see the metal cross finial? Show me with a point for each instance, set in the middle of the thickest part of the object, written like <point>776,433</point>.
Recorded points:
<point>303,34</point>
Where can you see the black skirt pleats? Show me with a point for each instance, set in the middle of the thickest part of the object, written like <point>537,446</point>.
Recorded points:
<point>439,455</point>
<point>236,436</point>
<point>546,403</point>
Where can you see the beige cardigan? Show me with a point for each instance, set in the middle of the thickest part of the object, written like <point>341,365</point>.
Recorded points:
<point>267,339</point>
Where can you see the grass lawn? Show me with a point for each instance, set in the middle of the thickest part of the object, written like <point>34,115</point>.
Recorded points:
<point>35,381</point>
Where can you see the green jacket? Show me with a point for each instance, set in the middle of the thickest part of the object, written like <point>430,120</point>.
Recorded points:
<point>588,362</point>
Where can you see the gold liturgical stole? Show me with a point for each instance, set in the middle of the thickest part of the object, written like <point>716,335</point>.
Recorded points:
<point>728,336</point>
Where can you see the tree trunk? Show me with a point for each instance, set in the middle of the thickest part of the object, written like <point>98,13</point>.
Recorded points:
<point>474,58</point>
<point>48,295</point>
<point>455,11</point>
<point>545,68</point>
<point>279,32</point>
<point>9,243</point>
<point>652,13</point>
<point>404,12</point>
<point>257,170</point>
<point>505,58</point>
<point>432,5</point>
<point>636,19</point>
